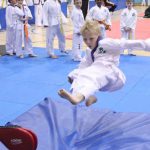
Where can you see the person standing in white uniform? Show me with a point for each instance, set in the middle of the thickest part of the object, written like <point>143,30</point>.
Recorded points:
<point>3,3</point>
<point>128,22</point>
<point>78,21</point>
<point>99,70</point>
<point>53,19</point>
<point>38,7</point>
<point>102,15</point>
<point>12,12</point>
<point>22,32</point>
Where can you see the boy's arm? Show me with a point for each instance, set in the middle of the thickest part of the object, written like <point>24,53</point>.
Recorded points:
<point>19,11</point>
<point>108,20</point>
<point>133,21</point>
<point>87,60</point>
<point>29,15</point>
<point>137,44</point>
<point>8,17</point>
<point>122,20</point>
<point>90,14</point>
<point>115,46</point>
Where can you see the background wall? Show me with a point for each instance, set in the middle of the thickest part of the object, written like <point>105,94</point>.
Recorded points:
<point>120,3</point>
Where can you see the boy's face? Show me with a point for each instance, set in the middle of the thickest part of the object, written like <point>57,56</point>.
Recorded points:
<point>99,2</point>
<point>20,2</point>
<point>129,5</point>
<point>90,39</point>
<point>78,3</point>
<point>13,1</point>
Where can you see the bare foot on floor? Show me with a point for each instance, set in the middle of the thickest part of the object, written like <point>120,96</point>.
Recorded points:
<point>73,99</point>
<point>91,100</point>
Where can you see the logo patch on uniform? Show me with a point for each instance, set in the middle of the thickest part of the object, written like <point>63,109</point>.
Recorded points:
<point>133,14</point>
<point>101,50</point>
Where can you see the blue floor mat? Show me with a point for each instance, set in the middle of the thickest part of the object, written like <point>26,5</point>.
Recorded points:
<point>83,128</point>
<point>24,82</point>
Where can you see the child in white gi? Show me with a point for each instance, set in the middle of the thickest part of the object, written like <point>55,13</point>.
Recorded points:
<point>101,14</point>
<point>22,32</point>
<point>12,11</point>
<point>128,22</point>
<point>38,10</point>
<point>99,70</point>
<point>143,2</point>
<point>53,19</point>
<point>77,20</point>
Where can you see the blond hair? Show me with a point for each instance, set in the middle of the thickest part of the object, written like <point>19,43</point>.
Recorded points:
<point>129,1</point>
<point>91,26</point>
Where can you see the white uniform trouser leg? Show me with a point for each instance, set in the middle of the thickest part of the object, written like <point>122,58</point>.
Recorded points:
<point>10,40</point>
<point>103,32</point>
<point>128,35</point>
<point>61,38</point>
<point>51,33</point>
<point>97,77</point>
<point>19,41</point>
<point>77,46</point>
<point>28,45</point>
<point>38,14</point>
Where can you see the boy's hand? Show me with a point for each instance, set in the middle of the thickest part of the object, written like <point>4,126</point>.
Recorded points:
<point>102,22</point>
<point>108,27</point>
<point>127,28</point>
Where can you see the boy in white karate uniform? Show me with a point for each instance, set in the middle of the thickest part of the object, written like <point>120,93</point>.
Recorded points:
<point>12,12</point>
<point>128,22</point>
<point>38,11</point>
<point>53,19</point>
<point>99,70</point>
<point>78,21</point>
<point>100,13</point>
<point>22,32</point>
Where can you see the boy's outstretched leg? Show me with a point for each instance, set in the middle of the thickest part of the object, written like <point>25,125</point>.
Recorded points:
<point>74,99</point>
<point>91,100</point>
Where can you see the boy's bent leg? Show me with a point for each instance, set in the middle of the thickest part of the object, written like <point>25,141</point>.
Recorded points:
<point>74,99</point>
<point>91,100</point>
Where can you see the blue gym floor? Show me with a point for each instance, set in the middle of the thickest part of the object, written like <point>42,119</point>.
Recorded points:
<point>25,82</point>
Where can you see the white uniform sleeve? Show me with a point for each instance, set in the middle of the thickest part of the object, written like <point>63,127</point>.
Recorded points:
<point>28,13</point>
<point>134,20</point>
<point>87,60</point>
<point>114,46</point>
<point>45,13</point>
<point>122,19</point>
<point>8,17</point>
<point>90,14</point>
<point>19,12</point>
<point>108,17</point>
<point>137,44</point>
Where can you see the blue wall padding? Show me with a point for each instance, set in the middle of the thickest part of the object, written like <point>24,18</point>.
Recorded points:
<point>64,8</point>
<point>2,18</point>
<point>62,126</point>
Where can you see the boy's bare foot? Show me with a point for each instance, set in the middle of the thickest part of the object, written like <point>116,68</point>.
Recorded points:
<point>32,55</point>
<point>53,56</point>
<point>73,99</point>
<point>91,100</point>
